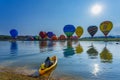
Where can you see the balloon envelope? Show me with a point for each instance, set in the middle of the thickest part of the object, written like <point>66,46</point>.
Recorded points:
<point>14,33</point>
<point>106,27</point>
<point>79,31</point>
<point>50,34</point>
<point>69,30</point>
<point>42,34</point>
<point>62,37</point>
<point>92,30</point>
<point>54,38</point>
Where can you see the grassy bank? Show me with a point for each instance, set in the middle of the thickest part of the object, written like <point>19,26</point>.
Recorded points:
<point>13,76</point>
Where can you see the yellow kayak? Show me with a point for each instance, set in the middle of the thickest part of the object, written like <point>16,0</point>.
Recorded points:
<point>54,60</point>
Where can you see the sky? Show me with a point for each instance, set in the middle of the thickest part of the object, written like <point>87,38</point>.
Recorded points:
<point>30,17</point>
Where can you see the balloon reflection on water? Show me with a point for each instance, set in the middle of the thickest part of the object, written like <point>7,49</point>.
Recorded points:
<point>50,46</point>
<point>14,47</point>
<point>42,46</point>
<point>46,45</point>
<point>69,51</point>
<point>79,49</point>
<point>106,56</point>
<point>92,52</point>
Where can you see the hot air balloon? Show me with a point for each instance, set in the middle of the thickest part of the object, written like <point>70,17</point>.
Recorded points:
<point>79,31</point>
<point>92,30</point>
<point>14,33</point>
<point>50,34</point>
<point>106,27</point>
<point>69,30</point>
<point>36,37</point>
<point>62,37</point>
<point>42,34</point>
<point>54,38</point>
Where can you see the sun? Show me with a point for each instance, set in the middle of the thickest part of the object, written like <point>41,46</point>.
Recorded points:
<point>96,9</point>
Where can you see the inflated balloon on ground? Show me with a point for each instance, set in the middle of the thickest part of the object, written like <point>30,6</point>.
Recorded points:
<point>42,34</point>
<point>50,34</point>
<point>62,37</point>
<point>54,38</point>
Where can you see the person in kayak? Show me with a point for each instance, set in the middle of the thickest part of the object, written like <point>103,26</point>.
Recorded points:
<point>48,62</point>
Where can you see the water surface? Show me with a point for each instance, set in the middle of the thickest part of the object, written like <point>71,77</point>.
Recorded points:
<point>77,60</point>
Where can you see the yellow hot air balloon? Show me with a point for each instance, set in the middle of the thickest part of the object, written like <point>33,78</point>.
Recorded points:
<point>106,27</point>
<point>79,31</point>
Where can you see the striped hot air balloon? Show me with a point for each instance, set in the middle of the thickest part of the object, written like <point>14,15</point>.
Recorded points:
<point>92,30</point>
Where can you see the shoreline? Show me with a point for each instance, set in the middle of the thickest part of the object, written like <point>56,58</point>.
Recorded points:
<point>11,75</point>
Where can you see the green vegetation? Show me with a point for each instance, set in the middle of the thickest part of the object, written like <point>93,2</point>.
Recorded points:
<point>99,39</point>
<point>28,38</point>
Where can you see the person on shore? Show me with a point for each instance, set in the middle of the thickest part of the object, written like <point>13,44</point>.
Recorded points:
<point>48,62</point>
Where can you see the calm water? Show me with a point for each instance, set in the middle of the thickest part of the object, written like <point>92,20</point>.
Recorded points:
<point>77,60</point>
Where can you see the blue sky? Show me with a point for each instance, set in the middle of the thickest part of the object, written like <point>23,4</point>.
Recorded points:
<point>30,17</point>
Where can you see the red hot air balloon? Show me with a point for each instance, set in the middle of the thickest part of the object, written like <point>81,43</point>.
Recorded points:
<point>42,34</point>
<point>54,38</point>
<point>92,30</point>
<point>62,37</point>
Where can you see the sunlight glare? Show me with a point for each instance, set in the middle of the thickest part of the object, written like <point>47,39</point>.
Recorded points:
<point>96,69</point>
<point>96,9</point>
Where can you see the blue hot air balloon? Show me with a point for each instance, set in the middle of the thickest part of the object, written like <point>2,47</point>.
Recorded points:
<point>14,33</point>
<point>50,34</point>
<point>69,30</point>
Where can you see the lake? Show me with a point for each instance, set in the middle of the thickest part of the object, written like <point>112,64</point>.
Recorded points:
<point>77,60</point>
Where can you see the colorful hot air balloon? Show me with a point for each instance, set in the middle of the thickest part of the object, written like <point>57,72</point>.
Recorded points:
<point>92,30</point>
<point>79,31</point>
<point>50,34</point>
<point>69,30</point>
<point>42,34</point>
<point>14,33</point>
<point>106,27</point>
